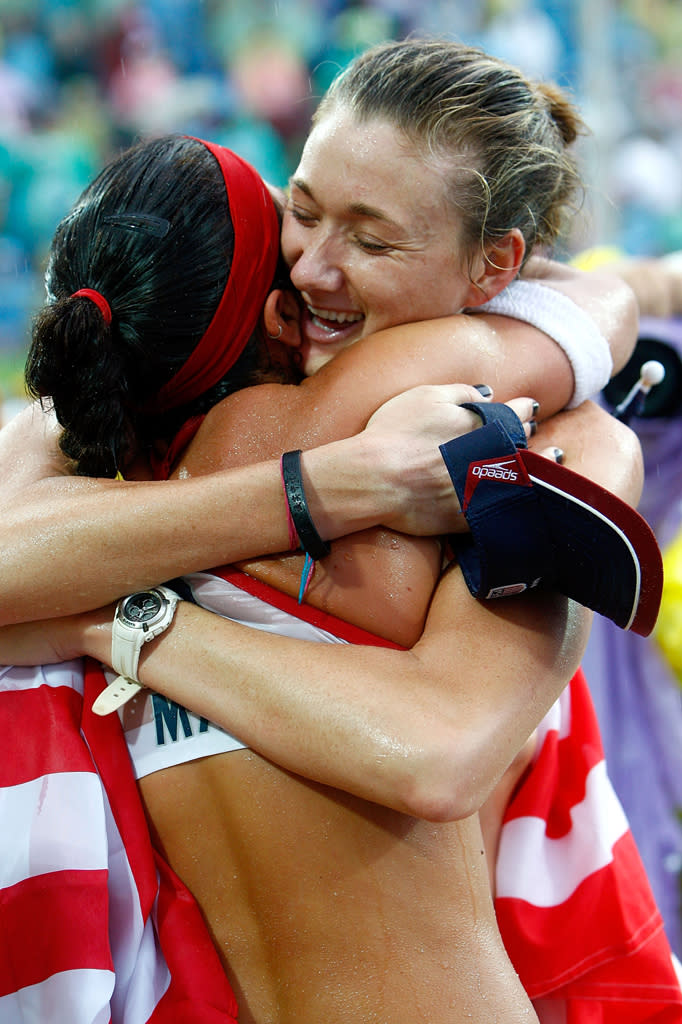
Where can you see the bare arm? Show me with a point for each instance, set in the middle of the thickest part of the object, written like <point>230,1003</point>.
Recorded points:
<point>101,539</point>
<point>598,446</point>
<point>507,354</point>
<point>71,543</point>
<point>656,281</point>
<point>415,730</point>
<point>422,731</point>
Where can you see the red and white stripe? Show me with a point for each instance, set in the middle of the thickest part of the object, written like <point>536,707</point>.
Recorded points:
<point>574,904</point>
<point>94,928</point>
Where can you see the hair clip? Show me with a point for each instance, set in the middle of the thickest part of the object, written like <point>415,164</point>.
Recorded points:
<point>147,222</point>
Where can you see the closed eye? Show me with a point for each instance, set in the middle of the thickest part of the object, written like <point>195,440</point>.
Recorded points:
<point>300,214</point>
<point>371,245</point>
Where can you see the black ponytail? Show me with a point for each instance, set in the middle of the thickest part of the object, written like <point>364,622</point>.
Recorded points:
<point>74,361</point>
<point>153,235</point>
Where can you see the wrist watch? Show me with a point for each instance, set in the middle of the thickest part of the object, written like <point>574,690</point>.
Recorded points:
<point>139,618</point>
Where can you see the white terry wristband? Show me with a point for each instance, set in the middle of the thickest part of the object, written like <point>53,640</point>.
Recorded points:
<point>573,330</point>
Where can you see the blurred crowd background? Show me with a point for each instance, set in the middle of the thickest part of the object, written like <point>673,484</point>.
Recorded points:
<point>81,78</point>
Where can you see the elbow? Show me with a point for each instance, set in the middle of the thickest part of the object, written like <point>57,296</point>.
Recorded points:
<point>441,785</point>
<point>440,804</point>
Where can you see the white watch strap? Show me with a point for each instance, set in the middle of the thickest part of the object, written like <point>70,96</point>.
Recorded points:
<point>115,694</point>
<point>126,644</point>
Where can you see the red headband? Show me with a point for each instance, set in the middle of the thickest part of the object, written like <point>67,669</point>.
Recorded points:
<point>98,299</point>
<point>256,249</point>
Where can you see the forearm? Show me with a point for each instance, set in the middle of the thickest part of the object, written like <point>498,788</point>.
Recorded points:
<point>507,354</point>
<point>72,543</point>
<point>656,283</point>
<point>562,335</point>
<point>407,729</point>
<point>227,516</point>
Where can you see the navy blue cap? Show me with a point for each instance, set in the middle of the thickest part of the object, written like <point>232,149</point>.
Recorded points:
<point>534,523</point>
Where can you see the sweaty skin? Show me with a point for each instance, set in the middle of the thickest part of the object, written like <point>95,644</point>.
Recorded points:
<point>297,942</point>
<point>418,863</point>
<point>375,907</point>
<point>423,875</point>
<point>323,903</point>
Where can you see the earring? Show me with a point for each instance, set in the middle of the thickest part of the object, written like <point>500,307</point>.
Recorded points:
<point>275,337</point>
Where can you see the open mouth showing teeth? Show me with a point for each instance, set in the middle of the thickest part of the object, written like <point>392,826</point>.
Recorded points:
<point>327,318</point>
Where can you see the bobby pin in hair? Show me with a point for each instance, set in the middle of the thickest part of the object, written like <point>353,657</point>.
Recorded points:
<point>156,226</point>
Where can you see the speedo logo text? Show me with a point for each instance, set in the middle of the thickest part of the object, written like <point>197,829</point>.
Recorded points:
<point>496,470</point>
<point>506,471</point>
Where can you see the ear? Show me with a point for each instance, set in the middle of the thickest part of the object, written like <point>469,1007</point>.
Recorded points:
<point>493,271</point>
<point>281,310</point>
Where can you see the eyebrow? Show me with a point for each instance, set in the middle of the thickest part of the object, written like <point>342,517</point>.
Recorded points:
<point>356,209</point>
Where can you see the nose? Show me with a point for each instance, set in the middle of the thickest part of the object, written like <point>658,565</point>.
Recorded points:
<point>315,265</point>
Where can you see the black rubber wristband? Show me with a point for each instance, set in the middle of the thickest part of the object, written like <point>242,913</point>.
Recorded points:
<point>311,542</point>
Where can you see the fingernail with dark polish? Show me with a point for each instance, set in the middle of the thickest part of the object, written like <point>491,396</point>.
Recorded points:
<point>559,455</point>
<point>484,390</point>
<point>533,427</point>
<point>536,407</point>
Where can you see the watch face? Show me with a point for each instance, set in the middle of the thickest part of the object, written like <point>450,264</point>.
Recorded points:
<point>142,607</point>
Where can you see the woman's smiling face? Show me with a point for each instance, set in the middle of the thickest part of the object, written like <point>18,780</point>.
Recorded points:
<point>370,236</point>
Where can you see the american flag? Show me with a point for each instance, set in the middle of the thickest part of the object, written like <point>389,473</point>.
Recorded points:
<point>574,905</point>
<point>94,927</point>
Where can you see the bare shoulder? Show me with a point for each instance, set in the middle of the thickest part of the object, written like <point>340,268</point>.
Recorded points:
<point>248,426</point>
